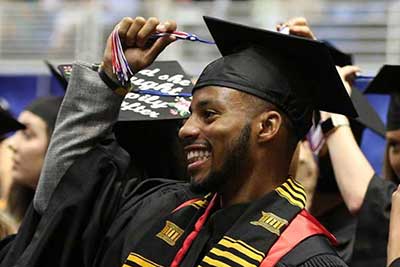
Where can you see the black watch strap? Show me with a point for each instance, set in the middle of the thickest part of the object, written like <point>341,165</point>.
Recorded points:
<point>333,122</point>
<point>327,126</point>
<point>116,87</point>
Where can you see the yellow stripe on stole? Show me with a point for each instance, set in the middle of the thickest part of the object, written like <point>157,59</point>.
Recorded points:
<point>213,262</point>
<point>298,189</point>
<point>232,257</point>
<point>245,245</point>
<point>136,258</point>
<point>289,198</point>
<point>294,193</point>
<point>199,203</point>
<point>242,248</point>
<point>297,185</point>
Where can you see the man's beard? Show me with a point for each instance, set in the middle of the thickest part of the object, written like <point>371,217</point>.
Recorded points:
<point>237,156</point>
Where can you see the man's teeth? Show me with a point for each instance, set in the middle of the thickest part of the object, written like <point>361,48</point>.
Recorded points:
<point>198,155</point>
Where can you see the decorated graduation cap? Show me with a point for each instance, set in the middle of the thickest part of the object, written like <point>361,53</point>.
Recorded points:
<point>8,123</point>
<point>162,91</point>
<point>387,81</point>
<point>149,119</point>
<point>294,73</point>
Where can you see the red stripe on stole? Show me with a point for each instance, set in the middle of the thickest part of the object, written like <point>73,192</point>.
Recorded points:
<point>192,236</point>
<point>303,226</point>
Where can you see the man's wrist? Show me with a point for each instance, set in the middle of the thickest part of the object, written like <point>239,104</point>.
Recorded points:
<point>112,82</point>
<point>107,68</point>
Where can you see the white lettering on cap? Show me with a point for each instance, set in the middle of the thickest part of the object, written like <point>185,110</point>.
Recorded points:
<point>139,108</point>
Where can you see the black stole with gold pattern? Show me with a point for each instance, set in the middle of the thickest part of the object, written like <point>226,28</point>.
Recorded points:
<point>246,243</point>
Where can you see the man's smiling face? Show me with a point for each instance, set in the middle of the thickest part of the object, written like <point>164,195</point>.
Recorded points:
<point>216,137</point>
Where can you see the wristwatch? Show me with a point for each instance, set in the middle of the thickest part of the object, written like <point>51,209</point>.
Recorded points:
<point>114,85</point>
<point>333,122</point>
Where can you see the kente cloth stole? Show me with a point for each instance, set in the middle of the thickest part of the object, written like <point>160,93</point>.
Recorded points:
<point>246,243</point>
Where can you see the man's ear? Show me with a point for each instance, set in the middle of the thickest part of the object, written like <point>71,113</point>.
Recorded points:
<point>269,124</point>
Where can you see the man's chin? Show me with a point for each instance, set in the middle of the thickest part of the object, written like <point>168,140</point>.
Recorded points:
<point>210,184</point>
<point>198,186</point>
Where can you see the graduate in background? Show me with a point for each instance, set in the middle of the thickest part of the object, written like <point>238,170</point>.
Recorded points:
<point>387,82</point>
<point>29,147</point>
<point>327,202</point>
<point>374,194</point>
<point>366,195</point>
<point>8,124</point>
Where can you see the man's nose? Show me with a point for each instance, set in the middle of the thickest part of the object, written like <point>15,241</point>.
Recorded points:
<point>189,130</point>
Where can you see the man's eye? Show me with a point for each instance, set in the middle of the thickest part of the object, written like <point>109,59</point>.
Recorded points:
<point>209,114</point>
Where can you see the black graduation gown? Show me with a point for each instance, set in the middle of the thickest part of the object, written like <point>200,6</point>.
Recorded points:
<point>95,217</point>
<point>90,216</point>
<point>373,224</point>
<point>342,225</point>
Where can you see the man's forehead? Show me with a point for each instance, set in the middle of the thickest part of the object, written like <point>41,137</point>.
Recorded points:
<point>215,93</point>
<point>221,97</point>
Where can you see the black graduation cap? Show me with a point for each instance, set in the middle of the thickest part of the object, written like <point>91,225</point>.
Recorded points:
<point>367,116</point>
<point>60,78</point>
<point>294,73</point>
<point>163,91</point>
<point>8,123</point>
<point>339,57</point>
<point>387,81</point>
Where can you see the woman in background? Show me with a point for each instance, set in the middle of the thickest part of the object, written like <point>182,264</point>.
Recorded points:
<point>29,148</point>
<point>7,124</point>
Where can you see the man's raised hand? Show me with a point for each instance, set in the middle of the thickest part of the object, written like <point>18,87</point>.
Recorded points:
<point>134,34</point>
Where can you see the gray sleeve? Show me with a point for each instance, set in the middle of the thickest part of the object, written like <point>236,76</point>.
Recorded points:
<point>86,117</point>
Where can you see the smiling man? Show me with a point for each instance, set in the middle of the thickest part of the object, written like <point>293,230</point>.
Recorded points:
<point>249,109</point>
